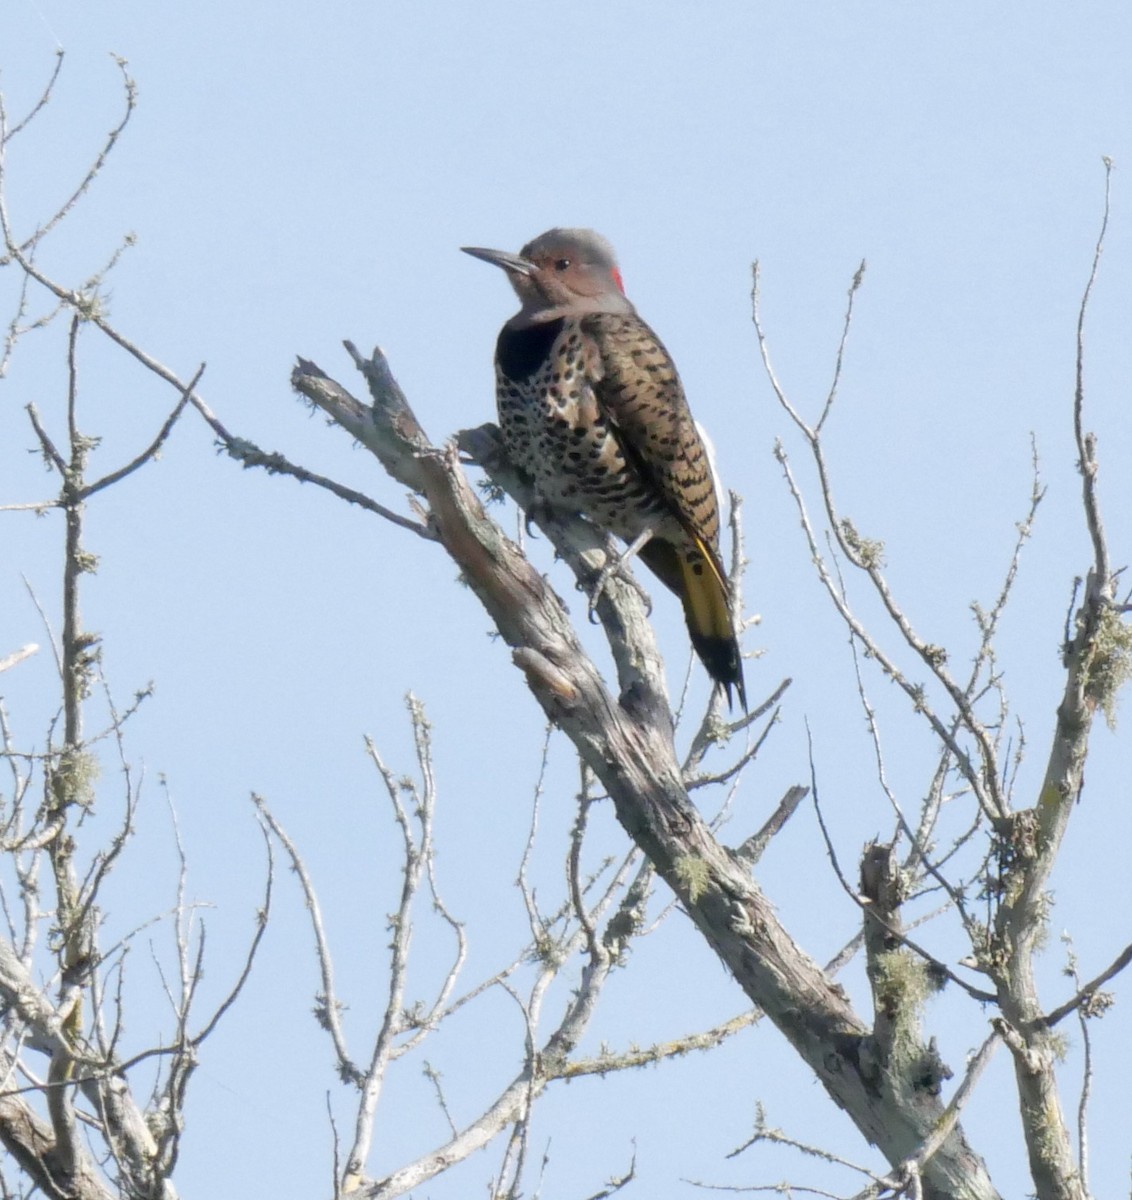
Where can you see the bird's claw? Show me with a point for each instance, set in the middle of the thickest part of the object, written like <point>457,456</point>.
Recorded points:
<point>540,511</point>
<point>615,565</point>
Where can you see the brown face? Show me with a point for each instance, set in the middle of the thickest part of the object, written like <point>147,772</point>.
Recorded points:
<point>563,270</point>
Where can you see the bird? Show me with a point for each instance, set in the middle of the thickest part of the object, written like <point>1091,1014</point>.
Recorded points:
<point>591,408</point>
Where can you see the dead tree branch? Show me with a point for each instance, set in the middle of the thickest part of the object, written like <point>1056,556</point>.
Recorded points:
<point>627,742</point>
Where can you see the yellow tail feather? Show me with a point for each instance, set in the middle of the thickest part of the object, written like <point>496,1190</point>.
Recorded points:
<point>707,599</point>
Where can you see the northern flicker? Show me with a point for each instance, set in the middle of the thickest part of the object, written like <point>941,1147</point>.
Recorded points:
<point>591,407</point>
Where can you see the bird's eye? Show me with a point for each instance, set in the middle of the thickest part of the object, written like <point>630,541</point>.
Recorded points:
<point>561,264</point>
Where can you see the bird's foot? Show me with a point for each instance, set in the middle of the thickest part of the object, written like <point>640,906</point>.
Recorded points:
<point>616,564</point>
<point>537,512</point>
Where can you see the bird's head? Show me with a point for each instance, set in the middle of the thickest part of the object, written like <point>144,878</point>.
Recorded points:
<point>562,270</point>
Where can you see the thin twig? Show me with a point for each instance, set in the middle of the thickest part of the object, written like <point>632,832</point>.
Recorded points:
<point>154,448</point>
<point>1084,993</point>
<point>1086,445</point>
<point>937,964</point>
<point>329,1008</point>
<point>18,656</point>
<point>7,134</point>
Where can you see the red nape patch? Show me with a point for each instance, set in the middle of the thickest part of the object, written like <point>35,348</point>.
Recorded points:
<point>617,280</point>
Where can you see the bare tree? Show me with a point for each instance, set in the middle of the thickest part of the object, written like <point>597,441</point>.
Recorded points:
<point>85,1111</point>
<point>989,881</point>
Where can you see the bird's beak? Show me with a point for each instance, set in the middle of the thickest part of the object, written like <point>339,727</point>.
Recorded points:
<point>500,258</point>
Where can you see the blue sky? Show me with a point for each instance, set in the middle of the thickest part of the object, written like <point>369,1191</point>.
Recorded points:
<point>298,174</point>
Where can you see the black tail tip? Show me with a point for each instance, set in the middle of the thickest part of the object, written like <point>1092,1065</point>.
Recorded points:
<point>724,664</point>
